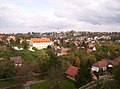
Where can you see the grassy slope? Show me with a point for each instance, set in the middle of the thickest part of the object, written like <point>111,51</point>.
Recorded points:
<point>44,85</point>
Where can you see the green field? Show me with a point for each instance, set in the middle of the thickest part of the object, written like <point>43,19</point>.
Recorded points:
<point>44,85</point>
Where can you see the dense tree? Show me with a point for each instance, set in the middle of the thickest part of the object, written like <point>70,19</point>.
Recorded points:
<point>17,40</point>
<point>84,76</point>
<point>25,45</point>
<point>7,69</point>
<point>43,60</point>
<point>11,41</point>
<point>26,71</point>
<point>53,59</point>
<point>77,62</point>
<point>116,73</point>
<point>89,58</point>
<point>102,51</point>
<point>55,76</point>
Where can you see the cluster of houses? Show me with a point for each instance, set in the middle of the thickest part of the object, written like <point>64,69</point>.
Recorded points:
<point>8,38</point>
<point>39,43</point>
<point>103,65</point>
<point>68,37</point>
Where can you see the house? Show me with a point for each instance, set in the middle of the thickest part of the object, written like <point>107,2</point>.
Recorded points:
<point>62,51</point>
<point>16,60</point>
<point>55,47</point>
<point>91,47</point>
<point>116,61</point>
<point>17,48</point>
<point>40,43</point>
<point>104,64</point>
<point>71,72</point>
<point>105,37</point>
<point>11,37</point>
<point>1,38</point>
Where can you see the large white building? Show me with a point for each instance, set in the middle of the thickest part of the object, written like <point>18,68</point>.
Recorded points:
<point>40,43</point>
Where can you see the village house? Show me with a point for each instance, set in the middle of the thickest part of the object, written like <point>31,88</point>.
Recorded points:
<point>16,60</point>
<point>1,38</point>
<point>105,37</point>
<point>116,61</point>
<point>62,51</point>
<point>40,43</point>
<point>55,47</point>
<point>71,72</point>
<point>10,37</point>
<point>102,65</point>
<point>91,47</point>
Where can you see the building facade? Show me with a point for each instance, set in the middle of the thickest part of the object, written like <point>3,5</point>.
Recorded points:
<point>40,43</point>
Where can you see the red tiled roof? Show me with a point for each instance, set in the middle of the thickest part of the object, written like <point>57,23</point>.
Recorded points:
<point>37,40</point>
<point>72,71</point>
<point>11,37</point>
<point>103,63</point>
<point>116,61</point>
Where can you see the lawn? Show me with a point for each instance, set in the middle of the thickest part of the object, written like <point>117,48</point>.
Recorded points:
<point>44,85</point>
<point>18,87</point>
<point>4,83</point>
<point>9,82</point>
<point>68,84</point>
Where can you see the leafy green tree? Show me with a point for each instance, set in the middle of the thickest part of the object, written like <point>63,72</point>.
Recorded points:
<point>53,59</point>
<point>55,77</point>
<point>83,77</point>
<point>11,41</point>
<point>18,40</point>
<point>43,59</point>
<point>7,69</point>
<point>88,58</point>
<point>116,73</point>
<point>77,62</point>
<point>25,45</point>
<point>26,71</point>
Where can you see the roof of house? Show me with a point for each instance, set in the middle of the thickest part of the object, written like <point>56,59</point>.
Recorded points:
<point>116,61</point>
<point>63,50</point>
<point>72,71</point>
<point>39,40</point>
<point>0,39</point>
<point>11,37</point>
<point>16,59</point>
<point>103,63</point>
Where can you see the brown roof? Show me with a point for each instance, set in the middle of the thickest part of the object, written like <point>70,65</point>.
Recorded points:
<point>16,59</point>
<point>72,71</point>
<point>63,50</point>
<point>103,63</point>
<point>38,40</point>
<point>11,37</point>
<point>116,61</point>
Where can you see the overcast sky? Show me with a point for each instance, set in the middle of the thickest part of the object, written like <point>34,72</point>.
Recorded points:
<point>49,15</point>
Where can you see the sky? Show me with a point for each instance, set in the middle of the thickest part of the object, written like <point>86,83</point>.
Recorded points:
<point>20,16</point>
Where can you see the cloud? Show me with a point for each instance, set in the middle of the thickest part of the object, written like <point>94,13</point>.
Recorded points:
<point>12,18</point>
<point>87,15</point>
<point>92,11</point>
